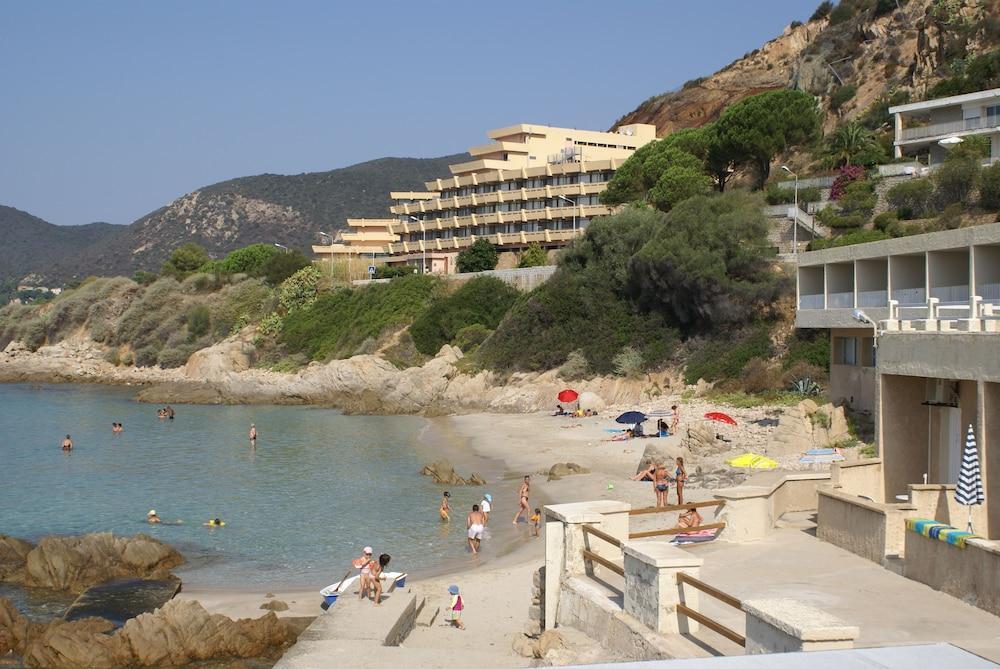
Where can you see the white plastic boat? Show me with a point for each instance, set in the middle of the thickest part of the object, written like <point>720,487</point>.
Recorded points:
<point>334,590</point>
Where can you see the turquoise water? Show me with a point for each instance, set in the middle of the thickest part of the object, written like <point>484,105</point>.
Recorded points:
<point>319,486</point>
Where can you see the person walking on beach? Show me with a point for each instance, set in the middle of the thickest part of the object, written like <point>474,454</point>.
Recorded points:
<point>680,476</point>
<point>535,521</point>
<point>445,509</point>
<point>661,485</point>
<point>455,608</point>
<point>475,523</point>
<point>67,444</point>
<point>522,494</point>
<point>252,434</point>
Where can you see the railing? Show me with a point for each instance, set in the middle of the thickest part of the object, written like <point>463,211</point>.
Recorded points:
<point>990,292</point>
<point>935,129</point>
<point>910,296</point>
<point>840,300</point>
<point>810,301</point>
<point>676,530</point>
<point>873,298</point>
<point>951,294</point>
<point>813,182</point>
<point>594,557</point>
<point>682,609</point>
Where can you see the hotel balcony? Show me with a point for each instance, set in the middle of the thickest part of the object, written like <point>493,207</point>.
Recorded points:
<point>499,196</point>
<point>501,239</point>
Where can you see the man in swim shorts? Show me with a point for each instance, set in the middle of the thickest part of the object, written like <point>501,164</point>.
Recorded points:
<point>475,522</point>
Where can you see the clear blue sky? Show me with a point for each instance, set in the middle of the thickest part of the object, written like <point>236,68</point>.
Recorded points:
<point>109,110</point>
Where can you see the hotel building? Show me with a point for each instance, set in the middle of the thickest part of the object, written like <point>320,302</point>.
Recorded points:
<point>932,126</point>
<point>529,184</point>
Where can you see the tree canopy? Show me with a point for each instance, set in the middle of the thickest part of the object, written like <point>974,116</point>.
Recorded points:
<point>478,257</point>
<point>185,259</point>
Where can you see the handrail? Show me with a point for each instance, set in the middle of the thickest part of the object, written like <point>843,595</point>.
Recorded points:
<point>676,530</point>
<point>734,636</point>
<point>590,555</point>
<point>600,534</point>
<point>676,507</point>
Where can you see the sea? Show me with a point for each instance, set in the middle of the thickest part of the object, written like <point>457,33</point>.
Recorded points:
<point>319,486</point>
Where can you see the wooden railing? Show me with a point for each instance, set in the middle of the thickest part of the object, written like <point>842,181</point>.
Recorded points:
<point>725,598</point>
<point>594,557</point>
<point>676,530</point>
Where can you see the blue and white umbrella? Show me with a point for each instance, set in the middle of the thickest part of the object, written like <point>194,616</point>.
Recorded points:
<point>969,490</point>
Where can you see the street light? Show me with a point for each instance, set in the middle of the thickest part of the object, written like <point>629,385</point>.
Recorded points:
<point>795,220</point>
<point>862,317</point>
<point>281,246</point>
<point>423,262</point>
<point>566,199</point>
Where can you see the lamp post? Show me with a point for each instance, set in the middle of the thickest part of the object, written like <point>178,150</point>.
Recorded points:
<point>862,317</point>
<point>282,247</point>
<point>566,199</point>
<point>330,237</point>
<point>795,219</point>
<point>423,228</point>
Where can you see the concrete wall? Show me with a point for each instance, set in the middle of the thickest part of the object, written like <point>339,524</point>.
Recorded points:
<point>902,432</point>
<point>869,529</point>
<point>990,448</point>
<point>863,477</point>
<point>937,501</point>
<point>752,509</point>
<point>853,384</point>
<point>972,573</point>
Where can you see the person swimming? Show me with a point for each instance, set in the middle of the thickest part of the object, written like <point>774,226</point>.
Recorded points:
<point>214,522</point>
<point>67,444</point>
<point>445,509</point>
<point>152,518</point>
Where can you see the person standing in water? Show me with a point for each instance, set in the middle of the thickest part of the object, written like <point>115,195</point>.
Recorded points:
<point>445,509</point>
<point>522,494</point>
<point>253,435</point>
<point>486,505</point>
<point>67,444</point>
<point>475,523</point>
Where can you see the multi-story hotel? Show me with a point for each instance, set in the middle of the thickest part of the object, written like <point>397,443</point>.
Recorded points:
<point>933,126</point>
<point>530,184</point>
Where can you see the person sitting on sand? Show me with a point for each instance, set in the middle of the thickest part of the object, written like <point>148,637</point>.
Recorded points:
<point>444,510</point>
<point>690,518</point>
<point>475,522</point>
<point>455,607</point>
<point>646,474</point>
<point>67,444</point>
<point>622,436</point>
<point>214,522</point>
<point>376,576</point>
<point>661,428</point>
<point>559,411</point>
<point>152,518</point>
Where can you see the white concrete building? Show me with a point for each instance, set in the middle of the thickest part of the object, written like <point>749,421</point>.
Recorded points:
<point>922,126</point>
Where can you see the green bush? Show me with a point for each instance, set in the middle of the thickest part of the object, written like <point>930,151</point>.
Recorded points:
<point>533,256</point>
<point>337,323</point>
<point>725,357</point>
<point>628,363</point>
<point>393,271</point>
<point>484,300</point>
<point>911,198</point>
<point>248,260</point>
<point>989,187</point>
<point>855,237</point>
<point>887,221</point>
<point>858,199</point>
<point>300,289</point>
<point>951,217</point>
<point>144,278</point>
<point>777,195</point>
<point>479,257</point>
<point>809,346</point>
<point>280,266</point>
<point>471,337</point>
<point>955,179</point>
<point>842,95</point>
<point>184,260</point>
<point>575,367</point>
<point>199,320</point>
<point>270,325</point>
<point>841,13</point>
<point>822,11</point>
<point>170,357</point>
<point>832,218</point>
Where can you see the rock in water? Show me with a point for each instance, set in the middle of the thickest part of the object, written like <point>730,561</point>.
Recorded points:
<point>13,557</point>
<point>444,473</point>
<point>274,605</point>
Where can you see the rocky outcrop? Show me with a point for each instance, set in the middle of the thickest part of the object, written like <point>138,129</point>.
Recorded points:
<point>77,563</point>
<point>702,438</point>
<point>561,469</point>
<point>178,633</point>
<point>444,473</point>
<point>806,426</point>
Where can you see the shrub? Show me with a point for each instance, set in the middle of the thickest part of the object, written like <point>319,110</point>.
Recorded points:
<point>808,347</point>
<point>533,256</point>
<point>951,217</point>
<point>841,13</point>
<point>147,356</point>
<point>144,278</point>
<point>883,7</point>
<point>300,289</point>
<point>248,260</point>
<point>842,95</point>
<point>855,237</point>
<point>955,179</point>
<point>170,357</point>
<point>831,218</point>
<point>886,222</point>
<point>479,257</point>
<point>911,198</point>
<point>484,300</point>
<point>575,367</point>
<point>846,175</point>
<point>280,266</point>
<point>725,357</point>
<point>469,338</point>
<point>822,11</point>
<point>989,187</point>
<point>184,260</point>
<point>393,271</point>
<point>270,325</point>
<point>777,195</point>
<point>199,320</point>
<point>858,199</point>
<point>628,363</point>
<point>759,376</point>
<point>793,25</point>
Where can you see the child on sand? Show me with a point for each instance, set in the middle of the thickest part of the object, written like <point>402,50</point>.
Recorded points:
<point>455,607</point>
<point>535,519</point>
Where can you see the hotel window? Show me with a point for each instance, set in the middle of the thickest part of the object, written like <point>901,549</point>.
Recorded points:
<point>846,350</point>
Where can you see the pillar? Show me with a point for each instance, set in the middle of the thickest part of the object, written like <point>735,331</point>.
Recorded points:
<point>652,592</point>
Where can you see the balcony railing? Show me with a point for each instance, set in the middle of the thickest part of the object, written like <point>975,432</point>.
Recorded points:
<point>873,298</point>
<point>840,300</point>
<point>951,294</point>
<point>935,129</point>
<point>990,292</point>
<point>910,296</point>
<point>810,301</point>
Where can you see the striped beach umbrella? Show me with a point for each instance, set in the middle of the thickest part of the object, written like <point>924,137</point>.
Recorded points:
<point>969,490</point>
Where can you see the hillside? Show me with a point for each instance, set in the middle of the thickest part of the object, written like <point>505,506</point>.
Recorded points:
<point>869,45</point>
<point>267,208</point>
<point>32,245</point>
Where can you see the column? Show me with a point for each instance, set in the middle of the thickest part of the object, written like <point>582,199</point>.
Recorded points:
<point>652,592</point>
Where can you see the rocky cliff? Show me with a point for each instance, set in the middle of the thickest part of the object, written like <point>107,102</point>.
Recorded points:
<point>907,49</point>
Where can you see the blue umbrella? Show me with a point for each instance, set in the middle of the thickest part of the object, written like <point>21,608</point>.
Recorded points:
<point>631,418</point>
<point>969,491</point>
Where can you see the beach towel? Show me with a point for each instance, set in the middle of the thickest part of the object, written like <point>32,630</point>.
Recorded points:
<point>932,529</point>
<point>697,537</point>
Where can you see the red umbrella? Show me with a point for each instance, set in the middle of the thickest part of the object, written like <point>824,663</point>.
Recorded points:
<point>568,395</point>
<point>720,417</point>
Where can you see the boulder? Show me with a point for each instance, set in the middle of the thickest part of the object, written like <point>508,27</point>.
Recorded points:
<point>13,557</point>
<point>444,473</point>
<point>15,629</point>
<point>806,426</point>
<point>274,605</point>
<point>592,401</point>
<point>561,469</point>
<point>701,439</point>
<point>216,362</point>
<point>81,643</point>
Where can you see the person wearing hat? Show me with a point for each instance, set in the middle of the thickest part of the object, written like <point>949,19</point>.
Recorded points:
<point>486,506</point>
<point>455,607</point>
<point>152,518</point>
<point>364,564</point>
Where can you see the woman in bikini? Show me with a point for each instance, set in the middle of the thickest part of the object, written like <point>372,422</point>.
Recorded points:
<point>376,576</point>
<point>680,476</point>
<point>523,507</point>
<point>661,485</point>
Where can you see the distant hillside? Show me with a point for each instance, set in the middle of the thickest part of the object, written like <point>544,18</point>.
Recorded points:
<point>268,208</point>
<point>30,244</point>
<point>863,50</point>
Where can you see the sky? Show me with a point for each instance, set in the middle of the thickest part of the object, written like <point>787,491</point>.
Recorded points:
<point>109,110</point>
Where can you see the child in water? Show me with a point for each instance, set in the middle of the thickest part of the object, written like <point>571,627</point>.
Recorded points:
<point>535,521</point>
<point>455,607</point>
<point>214,522</point>
<point>445,509</point>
